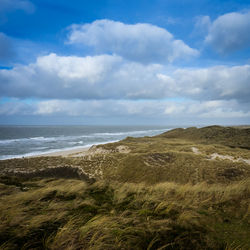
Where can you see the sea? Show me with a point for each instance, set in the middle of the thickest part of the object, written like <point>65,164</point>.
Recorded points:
<point>25,141</point>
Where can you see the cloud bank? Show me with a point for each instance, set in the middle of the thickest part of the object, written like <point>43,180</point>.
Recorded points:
<point>112,77</point>
<point>131,74</point>
<point>141,42</point>
<point>186,111</point>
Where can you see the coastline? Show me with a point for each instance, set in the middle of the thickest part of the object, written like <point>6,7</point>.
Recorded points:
<point>57,141</point>
<point>70,152</point>
<point>66,153</point>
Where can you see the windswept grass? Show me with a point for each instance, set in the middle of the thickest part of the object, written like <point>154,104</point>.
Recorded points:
<point>158,194</point>
<point>70,214</point>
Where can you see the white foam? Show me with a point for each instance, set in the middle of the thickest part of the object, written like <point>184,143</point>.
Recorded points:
<point>41,153</point>
<point>67,138</point>
<point>75,141</point>
<point>27,139</point>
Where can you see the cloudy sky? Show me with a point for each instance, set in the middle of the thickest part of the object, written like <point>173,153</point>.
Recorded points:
<point>175,62</point>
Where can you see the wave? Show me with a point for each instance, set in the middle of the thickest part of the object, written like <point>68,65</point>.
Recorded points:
<point>40,145</point>
<point>76,142</point>
<point>40,138</point>
<point>41,153</point>
<point>68,138</point>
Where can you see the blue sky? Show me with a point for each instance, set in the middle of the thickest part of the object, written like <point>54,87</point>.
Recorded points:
<point>124,62</point>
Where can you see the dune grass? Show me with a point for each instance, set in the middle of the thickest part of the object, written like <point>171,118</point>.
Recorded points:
<point>70,214</point>
<point>157,195</point>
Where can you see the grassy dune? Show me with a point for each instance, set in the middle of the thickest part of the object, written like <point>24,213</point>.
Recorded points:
<point>139,193</point>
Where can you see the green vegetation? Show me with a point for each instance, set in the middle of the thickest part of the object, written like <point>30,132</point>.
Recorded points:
<point>229,136</point>
<point>148,193</point>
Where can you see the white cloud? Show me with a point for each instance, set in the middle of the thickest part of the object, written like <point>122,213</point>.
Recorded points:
<point>98,77</point>
<point>208,109</point>
<point>188,110</point>
<point>99,108</point>
<point>83,108</point>
<point>89,69</point>
<point>139,42</point>
<point>219,82</point>
<point>230,32</point>
<point>112,77</point>
<point>8,5</point>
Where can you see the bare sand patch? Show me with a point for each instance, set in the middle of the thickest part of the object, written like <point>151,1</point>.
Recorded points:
<point>215,156</point>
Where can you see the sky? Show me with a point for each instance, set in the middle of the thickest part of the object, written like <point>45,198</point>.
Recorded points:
<point>117,62</point>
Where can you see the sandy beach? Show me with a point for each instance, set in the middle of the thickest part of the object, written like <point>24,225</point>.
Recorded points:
<point>66,153</point>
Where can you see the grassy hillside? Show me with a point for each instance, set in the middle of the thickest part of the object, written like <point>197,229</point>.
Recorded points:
<point>162,192</point>
<point>228,136</point>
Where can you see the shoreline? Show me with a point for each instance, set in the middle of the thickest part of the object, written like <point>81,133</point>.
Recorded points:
<point>65,153</point>
<point>68,152</point>
<point>67,149</point>
<point>74,152</point>
<point>60,152</point>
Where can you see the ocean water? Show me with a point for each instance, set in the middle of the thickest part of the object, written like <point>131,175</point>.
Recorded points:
<point>23,141</point>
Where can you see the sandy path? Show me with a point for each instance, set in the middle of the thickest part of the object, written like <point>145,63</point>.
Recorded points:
<point>215,156</point>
